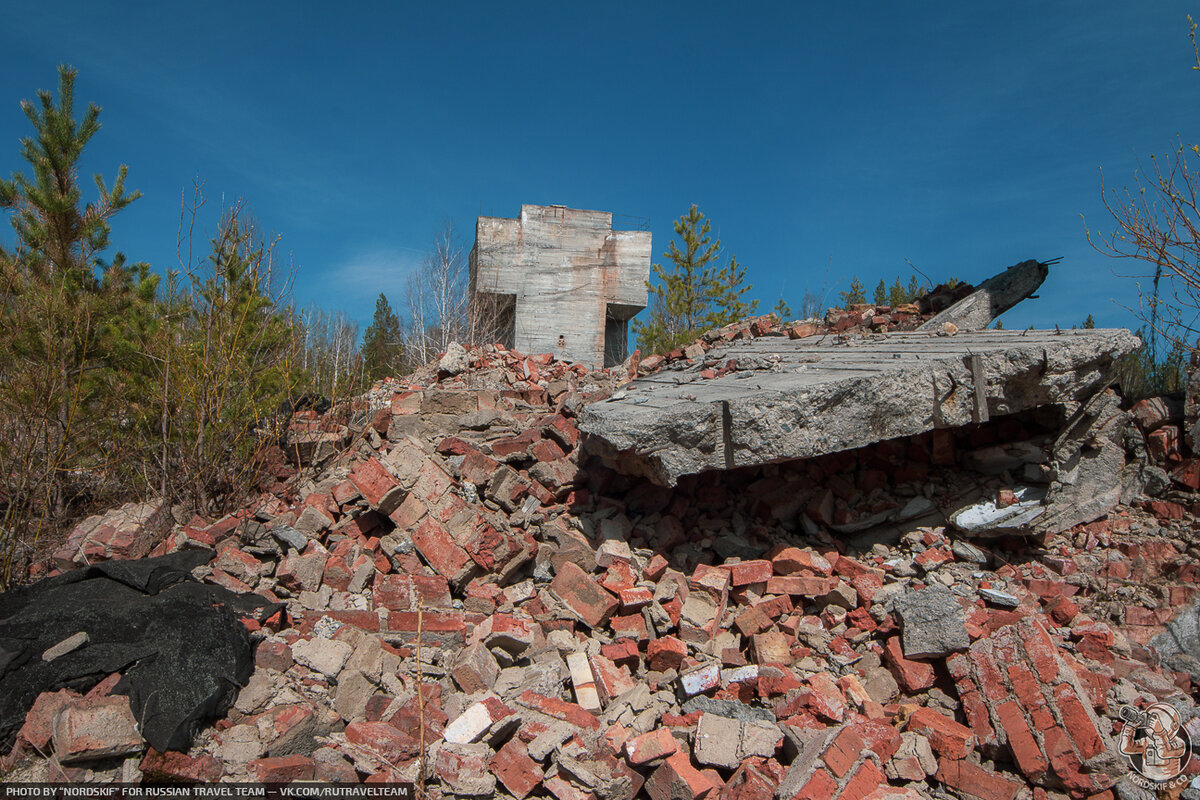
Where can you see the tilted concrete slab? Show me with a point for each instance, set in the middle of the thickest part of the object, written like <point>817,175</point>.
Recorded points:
<point>994,296</point>
<point>791,399</point>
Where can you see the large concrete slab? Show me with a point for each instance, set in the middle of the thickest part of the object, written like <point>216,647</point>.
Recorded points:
<point>792,399</point>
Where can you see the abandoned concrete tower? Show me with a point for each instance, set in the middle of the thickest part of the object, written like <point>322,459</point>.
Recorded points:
<point>560,280</point>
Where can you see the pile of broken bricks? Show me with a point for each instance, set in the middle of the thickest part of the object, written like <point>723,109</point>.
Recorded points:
<point>474,605</point>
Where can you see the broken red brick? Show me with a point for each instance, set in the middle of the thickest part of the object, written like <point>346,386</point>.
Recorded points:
<point>665,653</point>
<point>591,602</point>
<point>947,737</point>
<point>913,676</point>
<point>96,728</point>
<point>974,780</point>
<point>378,486</point>
<point>390,742</point>
<point>677,779</point>
<point>513,767</point>
<point>282,769</point>
<point>652,746</point>
<point>176,767</point>
<point>745,573</point>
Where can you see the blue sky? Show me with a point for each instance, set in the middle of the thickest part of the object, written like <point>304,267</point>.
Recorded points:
<point>822,140</point>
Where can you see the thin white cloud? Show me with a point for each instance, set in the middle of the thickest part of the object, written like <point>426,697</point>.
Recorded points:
<point>355,281</point>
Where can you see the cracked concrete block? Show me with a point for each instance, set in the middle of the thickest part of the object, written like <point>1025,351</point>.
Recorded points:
<point>323,655</point>
<point>793,399</point>
<point>716,743</point>
<point>932,623</point>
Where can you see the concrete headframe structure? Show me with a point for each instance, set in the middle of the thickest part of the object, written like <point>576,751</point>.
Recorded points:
<point>560,280</point>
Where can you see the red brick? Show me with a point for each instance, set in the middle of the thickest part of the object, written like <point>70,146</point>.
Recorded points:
<point>843,752</point>
<point>177,767</point>
<point>1165,509</point>
<point>1028,691</point>
<point>559,709</point>
<point>791,560</point>
<point>879,737</point>
<point>825,698</point>
<point>377,486</point>
<point>1064,762</point>
<point>753,620</point>
<point>96,728</point>
<point>665,653</point>
<point>39,720</point>
<point>514,444</point>
<point>390,742</point>
<point>1076,720</point>
<point>749,782</point>
<point>282,769</point>
<point>619,576</point>
<point>1062,610</point>
<point>1024,747</point>
<point>591,602</point>
<point>933,557</point>
<point>652,746</point>
<point>409,513</point>
<point>677,779</point>
<point>655,569</point>
<point>946,737</point>
<point>546,450</point>
<point>866,779</point>
<point>635,599</point>
<point>1188,474</point>
<point>745,573</point>
<point>714,579</point>
<point>477,468</point>
<point>913,676</point>
<point>440,551</point>
<point>821,786</point>
<point>437,627</point>
<point>801,586</point>
<point>1041,650</point>
<point>622,651</point>
<point>975,781</point>
<point>513,767</point>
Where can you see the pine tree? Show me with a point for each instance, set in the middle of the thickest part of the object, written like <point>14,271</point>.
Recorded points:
<point>727,291</point>
<point>855,294</point>
<point>681,301</point>
<point>70,324</point>
<point>881,293</point>
<point>382,350</point>
<point>1089,323</point>
<point>783,310</point>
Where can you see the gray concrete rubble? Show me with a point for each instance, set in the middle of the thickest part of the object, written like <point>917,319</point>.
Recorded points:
<point>780,400</point>
<point>993,297</point>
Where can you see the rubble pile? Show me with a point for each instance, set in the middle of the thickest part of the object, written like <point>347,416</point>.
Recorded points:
<point>473,604</point>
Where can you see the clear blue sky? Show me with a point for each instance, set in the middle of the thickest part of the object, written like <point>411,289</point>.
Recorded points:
<point>823,140</point>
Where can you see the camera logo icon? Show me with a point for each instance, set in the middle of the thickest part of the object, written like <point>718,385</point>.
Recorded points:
<point>1154,741</point>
